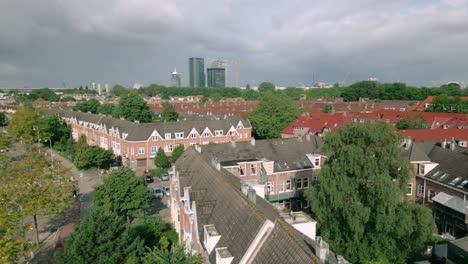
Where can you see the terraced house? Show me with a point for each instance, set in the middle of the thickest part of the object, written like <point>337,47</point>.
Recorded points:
<point>138,143</point>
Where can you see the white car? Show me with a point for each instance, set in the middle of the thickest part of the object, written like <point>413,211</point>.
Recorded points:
<point>158,192</point>
<point>166,191</point>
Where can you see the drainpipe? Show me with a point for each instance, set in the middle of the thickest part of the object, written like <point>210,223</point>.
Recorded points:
<point>424,192</point>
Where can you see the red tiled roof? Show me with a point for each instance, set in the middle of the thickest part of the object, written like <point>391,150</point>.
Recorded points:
<point>318,122</point>
<point>435,134</point>
<point>422,106</point>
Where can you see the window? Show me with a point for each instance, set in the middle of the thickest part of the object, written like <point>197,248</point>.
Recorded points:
<point>167,136</point>
<point>141,150</point>
<point>253,170</point>
<point>306,204</point>
<point>298,184</point>
<point>154,138</point>
<point>179,135</point>
<point>231,133</point>
<point>288,185</point>
<point>317,162</point>
<point>409,189</point>
<point>218,133</point>
<point>270,187</point>
<point>420,190</point>
<point>241,171</point>
<point>431,195</point>
<point>314,178</point>
<point>206,134</point>
<point>193,135</point>
<point>421,169</point>
<point>168,148</point>
<point>306,183</point>
<point>154,149</point>
<point>281,186</point>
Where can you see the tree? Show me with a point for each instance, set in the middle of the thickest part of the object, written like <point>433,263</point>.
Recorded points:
<point>123,193</point>
<point>29,125</point>
<point>176,255</point>
<point>80,149</point>
<point>412,122</point>
<point>132,106</point>
<point>151,230</point>
<point>327,109</point>
<point>4,142</point>
<point>101,238</point>
<point>119,90</point>
<point>3,119</point>
<point>169,113</point>
<point>359,202</point>
<point>266,87</point>
<point>107,109</point>
<point>161,159</point>
<point>274,112</point>
<point>177,152</point>
<point>91,105</point>
<point>68,99</point>
<point>86,157</point>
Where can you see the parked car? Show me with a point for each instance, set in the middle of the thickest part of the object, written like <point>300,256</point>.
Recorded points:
<point>164,177</point>
<point>158,192</point>
<point>149,179</point>
<point>166,191</point>
<point>4,150</point>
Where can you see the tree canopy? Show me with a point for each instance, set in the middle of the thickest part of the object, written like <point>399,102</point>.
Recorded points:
<point>266,87</point>
<point>132,107</point>
<point>91,105</point>
<point>101,238</point>
<point>161,160</point>
<point>178,151</point>
<point>123,193</point>
<point>169,113</point>
<point>274,112</point>
<point>359,202</point>
<point>86,157</point>
<point>3,119</point>
<point>412,122</point>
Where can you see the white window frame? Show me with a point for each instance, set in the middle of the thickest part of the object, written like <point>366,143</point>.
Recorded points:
<point>421,169</point>
<point>298,184</point>
<point>141,150</point>
<point>193,135</point>
<point>430,196</point>
<point>281,186</point>
<point>154,149</point>
<point>420,190</point>
<point>168,148</point>
<point>288,185</point>
<point>317,162</point>
<point>179,135</point>
<point>241,169</point>
<point>206,134</point>
<point>270,188</point>
<point>154,138</point>
<point>167,136</point>
<point>253,169</point>
<point>219,133</point>
<point>305,181</point>
<point>410,186</point>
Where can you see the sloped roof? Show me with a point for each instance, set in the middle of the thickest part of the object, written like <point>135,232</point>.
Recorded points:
<point>420,151</point>
<point>142,131</point>
<point>437,135</point>
<point>238,220</point>
<point>287,153</point>
<point>452,202</point>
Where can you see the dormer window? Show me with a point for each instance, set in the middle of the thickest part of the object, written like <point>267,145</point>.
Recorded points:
<point>218,133</point>
<point>167,136</point>
<point>179,135</point>
<point>317,162</point>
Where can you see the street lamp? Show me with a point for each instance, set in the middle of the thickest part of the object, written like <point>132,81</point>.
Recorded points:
<point>50,146</point>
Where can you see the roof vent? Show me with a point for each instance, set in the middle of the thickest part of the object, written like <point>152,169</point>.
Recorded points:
<point>211,237</point>
<point>223,256</point>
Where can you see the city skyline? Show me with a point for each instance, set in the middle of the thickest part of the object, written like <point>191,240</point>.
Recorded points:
<point>292,43</point>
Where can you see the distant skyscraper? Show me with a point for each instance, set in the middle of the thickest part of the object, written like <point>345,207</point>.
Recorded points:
<point>216,77</point>
<point>175,79</point>
<point>197,72</point>
<point>99,89</point>
<point>107,88</point>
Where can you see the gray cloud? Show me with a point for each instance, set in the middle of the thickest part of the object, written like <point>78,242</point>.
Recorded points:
<point>48,42</point>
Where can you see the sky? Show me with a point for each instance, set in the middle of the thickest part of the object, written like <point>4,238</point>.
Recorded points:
<point>290,43</point>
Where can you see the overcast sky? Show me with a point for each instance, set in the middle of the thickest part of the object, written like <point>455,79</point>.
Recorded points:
<point>49,42</point>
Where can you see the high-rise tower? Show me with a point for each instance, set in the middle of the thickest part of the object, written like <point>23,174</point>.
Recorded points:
<point>216,77</point>
<point>175,79</point>
<point>197,72</point>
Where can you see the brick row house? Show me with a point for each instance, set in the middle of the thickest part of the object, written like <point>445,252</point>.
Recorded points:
<point>441,173</point>
<point>279,170</point>
<point>138,143</point>
<point>222,222</point>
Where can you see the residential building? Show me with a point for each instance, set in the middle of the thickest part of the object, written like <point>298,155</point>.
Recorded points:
<point>175,78</point>
<point>216,77</point>
<point>196,72</point>
<point>428,101</point>
<point>450,214</point>
<point>279,170</point>
<point>438,168</point>
<point>138,143</point>
<point>224,224</point>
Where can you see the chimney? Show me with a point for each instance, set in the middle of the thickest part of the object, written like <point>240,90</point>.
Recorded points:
<point>223,256</point>
<point>211,237</point>
<point>252,195</point>
<point>198,148</point>
<point>452,144</point>
<point>322,250</point>
<point>308,137</point>
<point>252,141</point>
<point>408,143</point>
<point>233,143</point>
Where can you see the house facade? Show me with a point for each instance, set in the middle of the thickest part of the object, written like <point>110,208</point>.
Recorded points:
<point>138,143</point>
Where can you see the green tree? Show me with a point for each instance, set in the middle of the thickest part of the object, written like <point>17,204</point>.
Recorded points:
<point>123,193</point>
<point>360,202</point>
<point>274,112</point>
<point>169,113</point>
<point>3,120</point>
<point>266,87</point>
<point>107,109</point>
<point>4,142</point>
<point>101,238</point>
<point>119,90</point>
<point>45,94</point>
<point>412,122</point>
<point>131,107</point>
<point>177,152</point>
<point>176,255</point>
<point>327,109</point>
<point>29,125</point>
<point>68,99</point>
<point>91,105</point>
<point>161,160</point>
<point>80,149</point>
<point>151,230</point>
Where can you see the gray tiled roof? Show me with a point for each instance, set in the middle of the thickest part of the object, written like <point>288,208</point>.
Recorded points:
<point>452,169</point>
<point>420,150</point>
<point>220,202</point>
<point>142,131</point>
<point>288,154</point>
<point>452,202</point>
